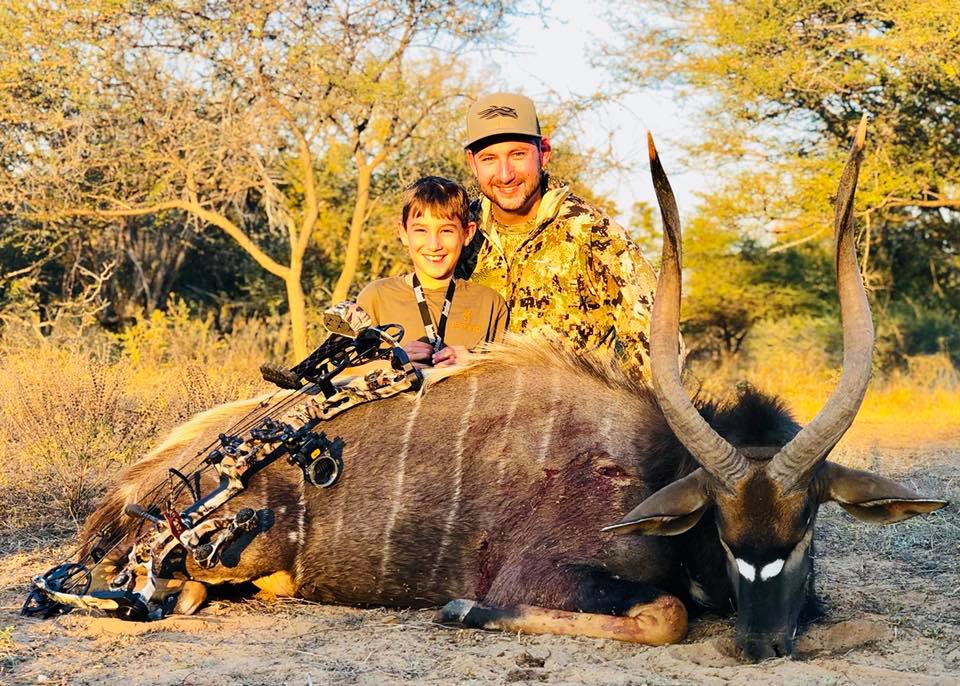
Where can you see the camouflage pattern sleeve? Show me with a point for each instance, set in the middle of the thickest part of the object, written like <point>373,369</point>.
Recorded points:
<point>501,321</point>
<point>623,283</point>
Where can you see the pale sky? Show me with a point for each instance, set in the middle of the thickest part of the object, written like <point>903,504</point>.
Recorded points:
<point>554,62</point>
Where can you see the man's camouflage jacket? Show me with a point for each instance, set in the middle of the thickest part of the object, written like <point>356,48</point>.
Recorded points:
<point>576,273</point>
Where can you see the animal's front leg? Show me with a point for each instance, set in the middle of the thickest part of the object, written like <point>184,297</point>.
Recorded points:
<point>593,603</point>
<point>658,623</point>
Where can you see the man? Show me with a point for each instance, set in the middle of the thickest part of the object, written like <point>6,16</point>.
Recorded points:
<point>560,263</point>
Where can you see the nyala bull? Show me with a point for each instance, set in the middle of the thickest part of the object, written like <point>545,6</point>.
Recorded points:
<point>491,490</point>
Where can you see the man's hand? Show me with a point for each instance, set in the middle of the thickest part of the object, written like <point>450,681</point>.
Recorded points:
<point>451,355</point>
<point>420,353</point>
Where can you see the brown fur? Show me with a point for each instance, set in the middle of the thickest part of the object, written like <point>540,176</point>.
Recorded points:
<point>758,504</point>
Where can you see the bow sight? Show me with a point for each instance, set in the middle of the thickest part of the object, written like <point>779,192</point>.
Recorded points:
<point>251,445</point>
<point>346,346</point>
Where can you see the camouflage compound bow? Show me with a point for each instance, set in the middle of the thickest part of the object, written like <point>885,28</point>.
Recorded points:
<point>255,442</point>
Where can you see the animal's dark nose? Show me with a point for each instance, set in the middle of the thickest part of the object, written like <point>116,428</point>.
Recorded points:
<point>759,647</point>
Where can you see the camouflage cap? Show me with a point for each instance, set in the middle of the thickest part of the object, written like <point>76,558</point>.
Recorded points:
<point>499,114</point>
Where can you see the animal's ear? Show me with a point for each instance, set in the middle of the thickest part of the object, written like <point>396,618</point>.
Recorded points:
<point>670,511</point>
<point>872,498</point>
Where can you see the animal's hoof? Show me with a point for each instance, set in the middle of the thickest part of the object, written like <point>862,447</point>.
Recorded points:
<point>455,611</point>
<point>192,595</point>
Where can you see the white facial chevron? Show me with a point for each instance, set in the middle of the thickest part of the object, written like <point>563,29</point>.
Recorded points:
<point>771,570</point>
<point>768,571</point>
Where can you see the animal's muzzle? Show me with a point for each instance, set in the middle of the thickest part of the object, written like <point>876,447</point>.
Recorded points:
<point>765,646</point>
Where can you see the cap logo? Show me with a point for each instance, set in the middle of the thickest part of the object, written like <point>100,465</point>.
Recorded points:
<point>497,111</point>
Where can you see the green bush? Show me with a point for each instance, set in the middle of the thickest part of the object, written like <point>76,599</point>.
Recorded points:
<point>906,329</point>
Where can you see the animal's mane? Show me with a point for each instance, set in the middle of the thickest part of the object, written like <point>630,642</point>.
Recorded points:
<point>754,418</point>
<point>537,351</point>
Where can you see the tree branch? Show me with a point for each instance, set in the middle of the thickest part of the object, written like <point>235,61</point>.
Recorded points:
<point>907,202</point>
<point>300,241</point>
<point>793,244</point>
<point>49,257</point>
<point>214,218</point>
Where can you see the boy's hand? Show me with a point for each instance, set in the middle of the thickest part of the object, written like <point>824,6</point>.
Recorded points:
<point>419,353</point>
<point>451,355</point>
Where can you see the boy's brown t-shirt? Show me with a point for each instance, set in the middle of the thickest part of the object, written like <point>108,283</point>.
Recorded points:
<point>478,314</point>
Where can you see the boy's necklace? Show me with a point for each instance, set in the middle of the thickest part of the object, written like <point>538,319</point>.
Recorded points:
<point>434,333</point>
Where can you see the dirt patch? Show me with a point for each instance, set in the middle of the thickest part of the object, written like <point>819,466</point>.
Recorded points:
<point>842,637</point>
<point>891,598</point>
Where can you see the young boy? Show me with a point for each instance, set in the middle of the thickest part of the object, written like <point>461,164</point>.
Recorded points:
<point>443,318</point>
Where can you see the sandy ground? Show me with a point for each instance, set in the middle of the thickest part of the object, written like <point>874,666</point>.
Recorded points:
<point>891,595</point>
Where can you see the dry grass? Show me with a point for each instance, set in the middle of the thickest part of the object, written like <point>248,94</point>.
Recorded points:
<point>73,408</point>
<point>68,420</point>
<point>9,653</point>
<point>928,392</point>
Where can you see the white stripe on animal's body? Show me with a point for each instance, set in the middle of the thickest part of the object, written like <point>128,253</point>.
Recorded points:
<point>605,425</point>
<point>747,570</point>
<point>396,503</point>
<point>502,459</point>
<point>550,420</point>
<point>768,571</point>
<point>301,516</point>
<point>299,552</point>
<point>457,477</point>
<point>338,527</point>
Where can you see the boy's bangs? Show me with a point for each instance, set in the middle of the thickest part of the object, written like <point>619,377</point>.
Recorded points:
<point>440,197</point>
<point>442,210</point>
